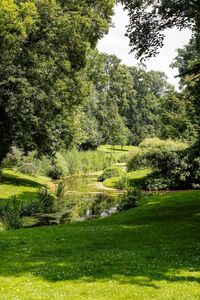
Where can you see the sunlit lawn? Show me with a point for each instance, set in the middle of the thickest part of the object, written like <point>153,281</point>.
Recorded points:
<point>116,148</point>
<point>24,186</point>
<point>133,177</point>
<point>151,252</point>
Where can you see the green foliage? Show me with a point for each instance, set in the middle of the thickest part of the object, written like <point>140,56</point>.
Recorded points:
<point>126,103</point>
<point>150,150</point>
<point>149,20</point>
<point>74,162</point>
<point>55,172</point>
<point>42,58</point>
<point>30,208</point>
<point>11,213</point>
<point>155,144</point>
<point>123,182</point>
<point>114,171</point>
<point>29,164</point>
<point>60,190</point>
<point>174,169</point>
<point>153,249</point>
<point>130,199</point>
<point>45,200</point>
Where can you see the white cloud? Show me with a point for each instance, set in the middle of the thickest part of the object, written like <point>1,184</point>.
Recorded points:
<point>116,43</point>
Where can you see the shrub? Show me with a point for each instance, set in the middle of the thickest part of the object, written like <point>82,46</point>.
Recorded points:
<point>55,172</point>
<point>123,182</point>
<point>150,150</point>
<point>174,169</point>
<point>11,214</point>
<point>137,161</point>
<point>158,144</point>
<point>110,172</point>
<point>29,164</point>
<point>130,199</point>
<point>14,158</point>
<point>31,208</point>
<point>28,168</point>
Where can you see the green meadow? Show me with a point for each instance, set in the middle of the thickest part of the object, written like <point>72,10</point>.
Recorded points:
<point>150,252</point>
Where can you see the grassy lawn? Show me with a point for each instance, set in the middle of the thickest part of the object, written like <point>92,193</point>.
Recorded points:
<point>24,186</point>
<point>151,252</point>
<point>133,176</point>
<point>116,148</point>
<point>117,151</point>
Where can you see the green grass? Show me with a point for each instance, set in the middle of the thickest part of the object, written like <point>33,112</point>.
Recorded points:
<point>133,177</point>
<point>117,151</point>
<point>116,148</point>
<point>24,186</point>
<point>151,252</point>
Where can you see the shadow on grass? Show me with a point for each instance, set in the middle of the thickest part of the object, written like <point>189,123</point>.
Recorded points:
<point>141,247</point>
<point>23,196</point>
<point>14,180</point>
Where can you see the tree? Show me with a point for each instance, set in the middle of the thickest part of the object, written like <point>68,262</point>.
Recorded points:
<point>43,47</point>
<point>130,98</point>
<point>148,20</point>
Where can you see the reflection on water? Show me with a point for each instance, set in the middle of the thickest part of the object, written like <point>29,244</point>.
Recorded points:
<point>82,201</point>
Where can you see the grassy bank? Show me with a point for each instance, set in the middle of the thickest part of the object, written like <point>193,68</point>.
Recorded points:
<point>131,177</point>
<point>151,252</point>
<point>24,186</point>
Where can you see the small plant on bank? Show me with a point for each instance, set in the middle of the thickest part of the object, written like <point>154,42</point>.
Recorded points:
<point>123,182</point>
<point>110,172</point>
<point>130,199</point>
<point>60,191</point>
<point>45,200</point>
<point>55,172</point>
<point>11,214</point>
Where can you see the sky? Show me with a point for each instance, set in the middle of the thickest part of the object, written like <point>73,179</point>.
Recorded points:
<point>116,43</point>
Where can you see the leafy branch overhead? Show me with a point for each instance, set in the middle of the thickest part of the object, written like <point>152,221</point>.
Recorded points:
<point>148,20</point>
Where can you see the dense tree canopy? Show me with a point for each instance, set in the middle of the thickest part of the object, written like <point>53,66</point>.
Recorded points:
<point>43,47</point>
<point>129,104</point>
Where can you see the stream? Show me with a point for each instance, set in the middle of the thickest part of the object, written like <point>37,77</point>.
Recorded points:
<point>85,199</point>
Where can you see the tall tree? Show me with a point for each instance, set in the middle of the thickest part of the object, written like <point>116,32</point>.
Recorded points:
<point>43,47</point>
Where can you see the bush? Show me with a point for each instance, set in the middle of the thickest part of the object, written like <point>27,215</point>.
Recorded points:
<point>110,172</point>
<point>14,158</point>
<point>130,199</point>
<point>29,164</point>
<point>123,182</point>
<point>55,172</point>
<point>158,144</point>
<point>31,208</point>
<point>11,214</point>
<point>153,148</point>
<point>174,169</point>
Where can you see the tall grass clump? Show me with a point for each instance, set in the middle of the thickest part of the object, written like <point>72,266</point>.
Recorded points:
<point>63,164</point>
<point>74,162</point>
<point>60,191</point>
<point>45,200</point>
<point>11,214</point>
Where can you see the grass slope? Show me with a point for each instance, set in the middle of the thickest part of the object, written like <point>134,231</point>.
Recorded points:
<point>151,252</point>
<point>132,177</point>
<point>24,186</point>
